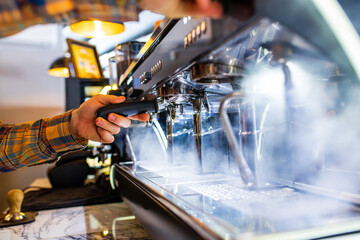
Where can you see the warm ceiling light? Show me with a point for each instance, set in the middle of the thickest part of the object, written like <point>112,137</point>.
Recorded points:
<point>96,28</point>
<point>59,69</point>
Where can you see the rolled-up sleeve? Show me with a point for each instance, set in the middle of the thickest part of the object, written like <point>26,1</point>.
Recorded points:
<point>36,142</point>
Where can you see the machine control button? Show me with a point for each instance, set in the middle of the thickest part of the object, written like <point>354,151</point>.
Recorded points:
<point>198,31</point>
<point>156,68</point>
<point>145,77</point>
<point>189,38</point>
<point>203,26</point>
<point>193,33</point>
<point>186,43</point>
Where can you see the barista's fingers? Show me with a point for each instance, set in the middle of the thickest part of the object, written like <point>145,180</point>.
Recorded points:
<point>105,136</point>
<point>109,99</point>
<point>108,126</point>
<point>140,117</point>
<point>119,120</point>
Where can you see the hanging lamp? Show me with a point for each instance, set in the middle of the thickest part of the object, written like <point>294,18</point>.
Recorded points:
<point>97,28</point>
<point>59,68</point>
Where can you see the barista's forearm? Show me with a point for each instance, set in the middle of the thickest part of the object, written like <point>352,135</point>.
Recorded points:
<point>36,142</point>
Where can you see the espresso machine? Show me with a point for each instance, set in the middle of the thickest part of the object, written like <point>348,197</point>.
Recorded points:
<point>254,128</point>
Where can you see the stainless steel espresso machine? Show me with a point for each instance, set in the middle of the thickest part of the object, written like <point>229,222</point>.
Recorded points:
<point>254,129</point>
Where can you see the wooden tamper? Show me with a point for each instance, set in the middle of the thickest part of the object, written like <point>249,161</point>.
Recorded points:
<point>14,199</point>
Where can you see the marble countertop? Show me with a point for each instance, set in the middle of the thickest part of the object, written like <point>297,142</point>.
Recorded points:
<point>102,221</point>
<point>105,221</point>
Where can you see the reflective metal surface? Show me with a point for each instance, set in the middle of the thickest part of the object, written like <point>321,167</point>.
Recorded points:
<point>257,136</point>
<point>234,211</point>
<point>213,73</point>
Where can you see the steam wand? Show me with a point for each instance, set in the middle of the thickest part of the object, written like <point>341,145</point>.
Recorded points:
<point>245,171</point>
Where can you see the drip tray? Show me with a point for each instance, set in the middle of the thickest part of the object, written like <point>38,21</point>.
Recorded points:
<point>225,205</point>
<point>277,204</point>
<point>222,190</point>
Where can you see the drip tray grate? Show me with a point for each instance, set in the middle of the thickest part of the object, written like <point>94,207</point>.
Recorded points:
<point>222,190</point>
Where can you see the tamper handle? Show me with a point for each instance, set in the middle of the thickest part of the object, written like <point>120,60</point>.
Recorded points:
<point>15,198</point>
<point>128,108</point>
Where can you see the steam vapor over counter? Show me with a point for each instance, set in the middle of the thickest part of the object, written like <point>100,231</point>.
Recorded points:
<point>128,108</point>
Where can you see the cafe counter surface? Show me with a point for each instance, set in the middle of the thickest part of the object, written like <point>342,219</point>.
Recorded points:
<point>103,221</point>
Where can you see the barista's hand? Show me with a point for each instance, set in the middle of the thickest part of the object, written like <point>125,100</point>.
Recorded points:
<point>84,125</point>
<point>181,8</point>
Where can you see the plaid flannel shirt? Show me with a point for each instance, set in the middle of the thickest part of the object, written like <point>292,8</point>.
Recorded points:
<point>15,15</point>
<point>36,142</point>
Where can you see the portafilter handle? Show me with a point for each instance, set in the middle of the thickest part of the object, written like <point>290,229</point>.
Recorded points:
<point>128,108</point>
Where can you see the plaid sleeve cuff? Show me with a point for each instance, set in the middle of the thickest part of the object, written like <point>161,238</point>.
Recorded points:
<point>58,134</point>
